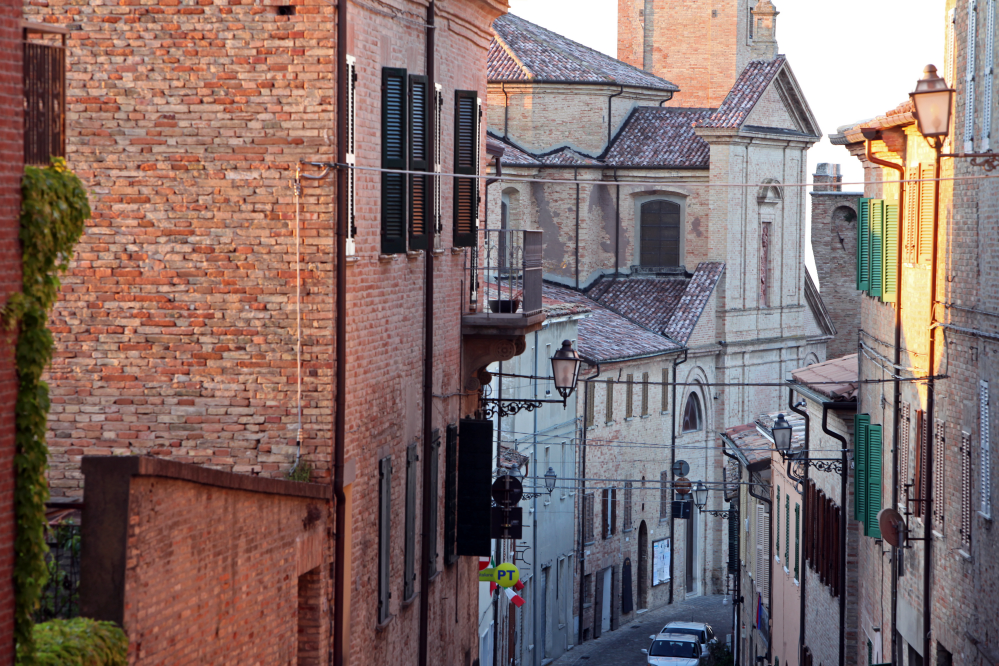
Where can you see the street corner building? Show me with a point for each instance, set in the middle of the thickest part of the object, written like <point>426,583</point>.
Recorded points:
<point>269,339</point>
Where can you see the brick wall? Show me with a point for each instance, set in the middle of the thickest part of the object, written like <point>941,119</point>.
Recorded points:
<point>12,149</point>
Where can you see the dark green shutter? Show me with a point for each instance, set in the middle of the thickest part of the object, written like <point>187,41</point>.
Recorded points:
<point>861,423</point>
<point>466,162</point>
<point>874,466</point>
<point>450,492</point>
<point>394,139</point>
<point>409,551</point>
<point>863,245</point>
<point>889,262</point>
<point>877,223</point>
<point>419,160</point>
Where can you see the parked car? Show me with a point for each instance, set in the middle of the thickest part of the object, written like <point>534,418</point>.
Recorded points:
<point>702,631</point>
<point>669,649</point>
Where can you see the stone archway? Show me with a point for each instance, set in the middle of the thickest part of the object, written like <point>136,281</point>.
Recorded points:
<point>643,566</point>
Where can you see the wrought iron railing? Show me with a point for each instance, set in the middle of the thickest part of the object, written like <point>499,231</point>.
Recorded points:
<point>44,102</point>
<point>504,273</point>
<point>61,594</point>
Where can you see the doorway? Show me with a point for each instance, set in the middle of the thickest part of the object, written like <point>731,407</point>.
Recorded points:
<point>643,566</point>
<point>691,556</point>
<point>605,603</point>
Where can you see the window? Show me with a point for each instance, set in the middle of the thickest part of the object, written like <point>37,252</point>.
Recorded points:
<point>467,119</point>
<point>609,416</point>
<point>926,203</point>
<point>431,531</point>
<point>797,538</point>
<point>384,535</point>
<point>762,539</point>
<point>609,509</point>
<point>969,80</point>
<point>394,140</point>
<point>450,493</point>
<point>874,470</point>
<point>985,480</point>
<point>904,428</point>
<point>965,489</point>
<point>861,423</point>
<point>765,263</point>
<point>821,537</point>
<point>419,160</point>
<point>409,574</point>
<point>587,590</point>
<point>777,509</point>
<point>627,505</point>
<point>588,518</point>
<point>939,456</point>
<point>665,390</point>
<point>660,234</point>
<point>438,133</point>
<point>663,495</point>
<point>919,481</point>
<point>351,157</point>
<point>877,248</point>
<point>787,531</point>
<point>629,410</point>
<point>988,73</point>
<point>912,219</point>
<point>692,421</point>
<point>645,394</point>
<point>590,407</point>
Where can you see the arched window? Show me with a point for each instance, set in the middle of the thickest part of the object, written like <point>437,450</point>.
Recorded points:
<point>660,233</point>
<point>692,420</point>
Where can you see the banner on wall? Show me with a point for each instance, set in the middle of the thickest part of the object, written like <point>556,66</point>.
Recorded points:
<point>660,561</point>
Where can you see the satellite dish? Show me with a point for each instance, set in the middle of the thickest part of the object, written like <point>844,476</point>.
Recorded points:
<point>892,526</point>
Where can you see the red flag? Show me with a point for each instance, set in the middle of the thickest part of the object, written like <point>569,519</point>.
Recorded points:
<point>518,586</point>
<point>514,598</point>
<point>492,587</point>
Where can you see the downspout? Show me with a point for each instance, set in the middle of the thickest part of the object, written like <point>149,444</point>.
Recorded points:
<point>826,406</point>
<point>575,176</point>
<point>804,521</point>
<point>428,541</point>
<point>610,122</point>
<point>738,602</point>
<point>506,111</point>
<point>617,226</point>
<point>770,563</point>
<point>340,656</point>
<point>897,388</point>
<point>672,460</point>
<point>582,507</point>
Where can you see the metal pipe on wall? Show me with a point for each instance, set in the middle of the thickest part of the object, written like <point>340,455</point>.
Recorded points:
<point>672,459</point>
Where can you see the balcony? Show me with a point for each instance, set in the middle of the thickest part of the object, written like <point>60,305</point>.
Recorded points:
<point>501,300</point>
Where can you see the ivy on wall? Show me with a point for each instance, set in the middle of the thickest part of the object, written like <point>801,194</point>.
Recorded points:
<point>54,208</point>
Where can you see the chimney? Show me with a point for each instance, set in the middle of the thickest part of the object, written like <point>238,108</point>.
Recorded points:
<point>764,31</point>
<point>830,175</point>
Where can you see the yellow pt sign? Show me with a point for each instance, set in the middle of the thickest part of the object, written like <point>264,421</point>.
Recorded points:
<point>505,575</point>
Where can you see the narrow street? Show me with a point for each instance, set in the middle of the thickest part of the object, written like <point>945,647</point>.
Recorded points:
<point>624,646</point>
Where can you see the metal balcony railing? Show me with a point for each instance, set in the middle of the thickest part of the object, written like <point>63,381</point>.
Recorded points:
<point>504,274</point>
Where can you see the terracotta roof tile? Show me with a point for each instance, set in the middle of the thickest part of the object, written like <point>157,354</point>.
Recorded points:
<point>568,157</point>
<point>746,92</point>
<point>662,137</point>
<point>523,51</point>
<point>512,155</point>
<point>844,371</point>
<point>903,114</point>
<point>694,300</point>
<point>647,301</point>
<point>510,458</point>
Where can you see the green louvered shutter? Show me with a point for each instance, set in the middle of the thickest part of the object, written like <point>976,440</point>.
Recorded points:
<point>874,466</point>
<point>863,245</point>
<point>889,263</point>
<point>466,163</point>
<point>861,422</point>
<point>394,140</point>
<point>877,222</point>
<point>419,160</point>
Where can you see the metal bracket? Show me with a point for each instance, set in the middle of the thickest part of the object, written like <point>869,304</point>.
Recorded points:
<point>988,161</point>
<point>726,513</point>
<point>489,407</point>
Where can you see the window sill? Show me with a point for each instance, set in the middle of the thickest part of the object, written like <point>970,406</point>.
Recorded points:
<point>414,254</point>
<point>585,606</point>
<point>664,412</point>
<point>386,258</point>
<point>438,253</point>
<point>628,529</point>
<point>937,535</point>
<point>645,416</point>
<point>589,543</point>
<point>985,516</point>
<point>383,625</point>
<point>457,250</point>
<point>434,576</point>
<point>406,603</point>
<point>965,554</point>
<point>609,423</point>
<point>629,418</point>
<point>352,259</point>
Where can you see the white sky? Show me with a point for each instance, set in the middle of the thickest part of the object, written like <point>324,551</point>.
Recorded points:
<point>854,59</point>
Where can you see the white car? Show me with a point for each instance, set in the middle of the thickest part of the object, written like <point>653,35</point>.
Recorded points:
<point>700,630</point>
<point>669,649</point>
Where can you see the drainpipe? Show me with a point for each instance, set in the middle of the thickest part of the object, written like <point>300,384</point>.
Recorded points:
<point>610,122</point>
<point>804,521</point>
<point>617,226</point>
<point>575,176</point>
<point>582,507</point>
<point>897,388</point>
<point>738,602</point>
<point>826,406</point>
<point>428,541</point>
<point>506,111</point>
<point>340,623</point>
<point>672,459</point>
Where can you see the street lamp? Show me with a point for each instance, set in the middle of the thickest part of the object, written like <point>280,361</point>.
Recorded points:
<point>782,434</point>
<point>565,371</point>
<point>565,368</point>
<point>550,477</point>
<point>932,100</point>
<point>700,495</point>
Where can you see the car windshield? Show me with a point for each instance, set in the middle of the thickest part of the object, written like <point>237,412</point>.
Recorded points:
<point>672,649</point>
<point>687,632</point>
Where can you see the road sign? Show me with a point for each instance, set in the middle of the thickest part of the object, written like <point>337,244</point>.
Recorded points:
<point>507,490</point>
<point>681,509</point>
<point>892,526</point>
<point>507,575</point>
<point>682,485</point>
<point>681,468</point>
<point>507,522</point>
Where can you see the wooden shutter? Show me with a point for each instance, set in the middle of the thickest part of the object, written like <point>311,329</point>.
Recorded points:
<point>787,531</point>
<point>450,492</point>
<point>351,155</point>
<point>606,511</point>
<point>438,128</point>
<point>629,406</point>
<point>939,458</point>
<point>889,261</point>
<point>394,139</point>
<point>926,204</point>
<point>911,216</point>
<point>645,394</point>
<point>874,467</point>
<point>665,389</point>
<point>420,204</point>
<point>431,530</point>
<point>919,480</point>
<point>863,245</point>
<point>861,423</point>
<point>877,220</point>
<point>475,465</point>
<point>590,407</point>
<point>777,537</point>
<point>588,500</point>
<point>613,511</point>
<point>904,444</point>
<point>965,489</point>
<point>985,453</point>
<point>762,541</point>
<point>989,73</point>
<point>971,44</point>
<point>384,535</point>
<point>628,499</point>
<point>409,554</point>
<point>609,412</point>
<point>664,511</point>
<point>797,539</point>
<point>466,163</point>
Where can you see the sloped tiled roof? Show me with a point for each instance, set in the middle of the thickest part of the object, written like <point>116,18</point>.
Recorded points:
<point>512,155</point>
<point>605,336</point>
<point>569,157</point>
<point>836,379</point>
<point>556,308</point>
<point>694,300</point>
<point>746,92</point>
<point>647,301</point>
<point>510,458</point>
<point>662,137</point>
<point>903,114</point>
<point>523,51</point>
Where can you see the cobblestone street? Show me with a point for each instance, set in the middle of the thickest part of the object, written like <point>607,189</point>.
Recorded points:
<point>624,646</point>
